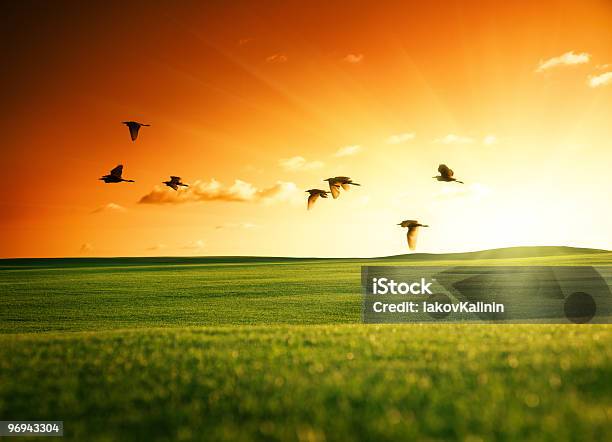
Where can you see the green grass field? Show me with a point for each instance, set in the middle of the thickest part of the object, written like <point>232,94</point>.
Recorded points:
<point>265,349</point>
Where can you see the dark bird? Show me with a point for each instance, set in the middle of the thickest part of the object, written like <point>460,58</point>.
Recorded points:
<point>115,176</point>
<point>446,174</point>
<point>314,196</point>
<point>175,182</point>
<point>134,127</point>
<point>413,230</point>
<point>339,181</point>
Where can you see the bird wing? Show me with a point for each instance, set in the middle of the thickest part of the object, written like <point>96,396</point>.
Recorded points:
<point>134,128</point>
<point>117,171</point>
<point>333,186</point>
<point>445,171</point>
<point>173,185</point>
<point>175,179</point>
<point>311,199</point>
<point>345,186</point>
<point>412,237</point>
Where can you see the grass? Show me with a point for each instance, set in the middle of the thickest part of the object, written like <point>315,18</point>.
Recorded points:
<point>261,349</point>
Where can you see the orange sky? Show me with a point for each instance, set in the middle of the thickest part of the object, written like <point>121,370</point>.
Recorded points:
<point>234,90</point>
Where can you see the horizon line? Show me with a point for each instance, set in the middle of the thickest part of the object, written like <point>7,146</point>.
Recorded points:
<point>308,257</point>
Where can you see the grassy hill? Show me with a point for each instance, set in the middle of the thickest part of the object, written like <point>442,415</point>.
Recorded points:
<point>505,253</point>
<point>502,253</point>
<point>252,348</point>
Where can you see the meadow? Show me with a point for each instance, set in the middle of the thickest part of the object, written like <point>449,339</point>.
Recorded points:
<point>273,349</point>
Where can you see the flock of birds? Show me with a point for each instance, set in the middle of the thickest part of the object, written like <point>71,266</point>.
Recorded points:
<point>344,182</point>
<point>335,184</point>
<point>116,175</point>
<point>446,174</point>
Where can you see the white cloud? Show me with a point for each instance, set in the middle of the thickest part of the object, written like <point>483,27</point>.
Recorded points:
<point>277,58</point>
<point>213,190</point>
<point>567,59</point>
<point>353,58</point>
<point>110,207</point>
<point>401,138</point>
<point>347,150</point>
<point>194,245</point>
<point>600,80</point>
<point>489,140</point>
<point>299,163</point>
<point>454,139</point>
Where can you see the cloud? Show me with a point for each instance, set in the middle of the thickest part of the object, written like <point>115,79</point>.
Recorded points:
<point>213,190</point>
<point>347,150</point>
<point>353,58</point>
<point>600,80</point>
<point>299,163</point>
<point>110,207</point>
<point>246,226</point>
<point>489,140</point>
<point>567,59</point>
<point>194,245</point>
<point>401,138</point>
<point>454,139</point>
<point>277,58</point>
<point>85,248</point>
<point>244,41</point>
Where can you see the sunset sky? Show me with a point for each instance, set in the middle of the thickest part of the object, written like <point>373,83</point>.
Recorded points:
<point>252,103</point>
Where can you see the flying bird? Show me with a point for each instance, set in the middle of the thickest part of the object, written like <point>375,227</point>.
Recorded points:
<point>134,127</point>
<point>446,174</point>
<point>413,230</point>
<point>339,181</point>
<point>175,182</point>
<point>115,176</point>
<point>314,196</point>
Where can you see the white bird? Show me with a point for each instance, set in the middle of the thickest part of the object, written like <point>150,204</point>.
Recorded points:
<point>314,196</point>
<point>339,181</point>
<point>134,127</point>
<point>413,230</point>
<point>175,182</point>
<point>446,174</point>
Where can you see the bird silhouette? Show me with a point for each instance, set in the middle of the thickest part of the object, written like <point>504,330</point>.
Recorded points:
<point>413,230</point>
<point>115,176</point>
<point>339,181</point>
<point>314,196</point>
<point>446,174</point>
<point>175,182</point>
<point>134,127</point>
